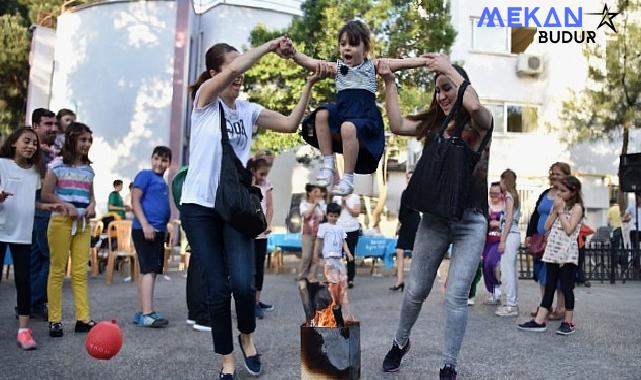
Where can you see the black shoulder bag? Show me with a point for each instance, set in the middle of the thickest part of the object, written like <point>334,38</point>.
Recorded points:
<point>441,183</point>
<point>237,201</point>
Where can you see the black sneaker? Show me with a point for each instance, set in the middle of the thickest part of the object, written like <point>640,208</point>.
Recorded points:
<point>566,329</point>
<point>225,376</point>
<point>447,373</point>
<point>55,329</point>
<point>533,326</point>
<point>252,363</point>
<point>82,327</point>
<point>392,361</point>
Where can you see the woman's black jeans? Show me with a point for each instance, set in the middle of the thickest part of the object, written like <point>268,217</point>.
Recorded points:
<point>226,258</point>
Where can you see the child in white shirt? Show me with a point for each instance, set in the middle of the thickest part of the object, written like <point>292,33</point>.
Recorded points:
<point>331,237</point>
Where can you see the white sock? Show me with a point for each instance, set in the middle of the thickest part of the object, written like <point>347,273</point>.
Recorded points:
<point>349,178</point>
<point>22,329</point>
<point>328,161</point>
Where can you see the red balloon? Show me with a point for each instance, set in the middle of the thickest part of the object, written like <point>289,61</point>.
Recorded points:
<point>104,340</point>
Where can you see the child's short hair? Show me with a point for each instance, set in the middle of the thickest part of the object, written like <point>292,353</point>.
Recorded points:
<point>118,182</point>
<point>162,151</point>
<point>333,208</point>
<point>357,32</point>
<point>310,187</point>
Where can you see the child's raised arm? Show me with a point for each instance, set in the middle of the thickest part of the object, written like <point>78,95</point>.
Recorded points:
<point>312,63</point>
<point>403,63</point>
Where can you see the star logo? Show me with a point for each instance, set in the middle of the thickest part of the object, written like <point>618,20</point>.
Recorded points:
<point>606,18</point>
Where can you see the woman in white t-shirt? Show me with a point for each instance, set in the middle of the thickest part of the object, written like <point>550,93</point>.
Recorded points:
<point>225,255</point>
<point>350,210</point>
<point>19,180</point>
<point>633,216</point>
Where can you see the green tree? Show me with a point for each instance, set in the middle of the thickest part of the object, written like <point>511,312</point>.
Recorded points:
<point>400,28</point>
<point>14,71</point>
<point>612,100</point>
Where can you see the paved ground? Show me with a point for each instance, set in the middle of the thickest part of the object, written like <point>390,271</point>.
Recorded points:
<point>607,344</point>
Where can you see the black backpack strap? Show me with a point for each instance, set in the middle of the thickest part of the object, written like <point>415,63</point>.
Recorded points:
<point>223,123</point>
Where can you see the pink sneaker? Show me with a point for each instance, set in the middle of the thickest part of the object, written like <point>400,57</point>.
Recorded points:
<point>25,340</point>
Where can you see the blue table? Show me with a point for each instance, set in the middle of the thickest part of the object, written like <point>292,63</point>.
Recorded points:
<point>376,247</point>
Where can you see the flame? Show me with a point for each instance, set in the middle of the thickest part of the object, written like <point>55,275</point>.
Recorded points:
<point>325,317</point>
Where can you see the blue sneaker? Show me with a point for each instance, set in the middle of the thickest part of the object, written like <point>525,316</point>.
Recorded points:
<point>260,314</point>
<point>136,319</point>
<point>266,306</point>
<point>152,320</point>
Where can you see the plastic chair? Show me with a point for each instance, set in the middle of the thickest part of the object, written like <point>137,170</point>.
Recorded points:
<point>170,243</point>
<point>95,233</point>
<point>121,229</point>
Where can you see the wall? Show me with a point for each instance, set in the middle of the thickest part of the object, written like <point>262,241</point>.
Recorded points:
<point>114,67</point>
<point>41,57</point>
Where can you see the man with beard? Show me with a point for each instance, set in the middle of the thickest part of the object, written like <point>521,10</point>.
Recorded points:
<point>45,125</point>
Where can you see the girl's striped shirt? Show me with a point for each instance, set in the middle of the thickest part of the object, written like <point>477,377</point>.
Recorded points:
<point>74,182</point>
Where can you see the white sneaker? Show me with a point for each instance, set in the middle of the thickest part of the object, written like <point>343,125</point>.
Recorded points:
<point>470,302</point>
<point>343,188</point>
<point>325,176</point>
<point>507,311</point>
<point>492,301</point>
<point>191,322</point>
<point>202,328</point>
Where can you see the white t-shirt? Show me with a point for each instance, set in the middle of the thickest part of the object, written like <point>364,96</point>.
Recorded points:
<point>205,149</point>
<point>346,220</point>
<point>17,211</point>
<point>333,237</point>
<point>632,211</point>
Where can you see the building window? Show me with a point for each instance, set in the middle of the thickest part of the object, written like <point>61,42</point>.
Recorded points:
<point>498,113</point>
<point>522,119</point>
<point>490,39</point>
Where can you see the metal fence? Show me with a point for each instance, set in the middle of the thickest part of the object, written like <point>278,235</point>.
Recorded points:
<point>600,263</point>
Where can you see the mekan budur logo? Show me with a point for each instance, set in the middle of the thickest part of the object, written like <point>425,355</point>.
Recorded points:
<point>553,18</point>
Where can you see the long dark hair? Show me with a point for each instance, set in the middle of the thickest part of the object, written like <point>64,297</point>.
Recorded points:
<point>9,151</point>
<point>214,59</point>
<point>433,118</point>
<point>68,153</point>
<point>574,185</point>
<point>62,113</point>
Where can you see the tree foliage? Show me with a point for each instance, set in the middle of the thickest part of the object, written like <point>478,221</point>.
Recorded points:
<point>612,99</point>
<point>400,28</point>
<point>16,16</point>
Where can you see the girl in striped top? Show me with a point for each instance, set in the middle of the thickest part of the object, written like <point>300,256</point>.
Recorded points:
<point>69,181</point>
<point>353,124</point>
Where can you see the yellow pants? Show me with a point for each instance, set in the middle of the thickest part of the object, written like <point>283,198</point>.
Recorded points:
<point>61,243</point>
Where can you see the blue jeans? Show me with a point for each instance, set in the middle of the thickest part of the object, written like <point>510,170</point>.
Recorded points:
<point>226,258</point>
<point>39,263</point>
<point>433,237</point>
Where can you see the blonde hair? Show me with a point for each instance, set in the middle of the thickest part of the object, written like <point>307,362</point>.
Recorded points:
<point>509,179</point>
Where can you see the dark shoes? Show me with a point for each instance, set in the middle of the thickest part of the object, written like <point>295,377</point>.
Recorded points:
<point>82,327</point>
<point>392,361</point>
<point>532,326</point>
<point>55,329</point>
<point>225,376</point>
<point>252,363</point>
<point>398,287</point>
<point>350,284</point>
<point>447,373</point>
<point>566,329</point>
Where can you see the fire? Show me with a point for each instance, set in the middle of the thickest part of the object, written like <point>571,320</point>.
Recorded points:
<point>325,317</point>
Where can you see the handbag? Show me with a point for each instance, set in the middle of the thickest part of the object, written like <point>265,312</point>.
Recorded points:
<point>442,177</point>
<point>537,245</point>
<point>237,201</point>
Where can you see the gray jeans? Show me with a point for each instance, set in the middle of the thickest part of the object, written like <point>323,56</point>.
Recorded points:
<point>433,238</point>
<point>509,272</point>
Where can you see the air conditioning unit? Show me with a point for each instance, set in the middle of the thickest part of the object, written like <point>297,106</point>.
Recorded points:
<point>529,64</point>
